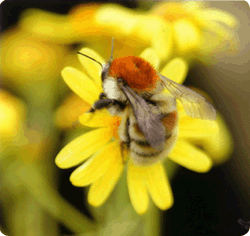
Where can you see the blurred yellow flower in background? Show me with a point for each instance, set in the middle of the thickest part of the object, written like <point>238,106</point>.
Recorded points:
<point>83,21</point>
<point>171,28</point>
<point>189,20</point>
<point>12,115</point>
<point>69,111</point>
<point>26,59</point>
<point>47,26</point>
<point>101,146</point>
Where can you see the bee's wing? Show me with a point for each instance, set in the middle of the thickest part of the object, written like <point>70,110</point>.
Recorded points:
<point>149,123</point>
<point>195,105</point>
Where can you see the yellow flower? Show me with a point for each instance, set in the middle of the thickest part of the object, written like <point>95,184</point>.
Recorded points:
<point>170,27</point>
<point>219,146</point>
<point>189,21</point>
<point>25,59</point>
<point>79,25</point>
<point>139,32</point>
<point>48,26</point>
<point>82,24</point>
<point>12,115</point>
<point>77,106</point>
<point>13,129</point>
<point>82,19</point>
<point>104,157</point>
<point>179,28</point>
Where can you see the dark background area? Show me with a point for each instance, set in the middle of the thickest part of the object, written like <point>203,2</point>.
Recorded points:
<point>205,204</point>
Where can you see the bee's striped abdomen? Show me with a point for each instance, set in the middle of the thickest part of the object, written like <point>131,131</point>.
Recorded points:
<point>169,121</point>
<point>140,150</point>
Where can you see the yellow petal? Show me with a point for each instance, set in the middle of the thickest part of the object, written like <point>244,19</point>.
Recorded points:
<point>81,84</point>
<point>137,189</point>
<point>181,111</point>
<point>191,157</point>
<point>83,147</point>
<point>101,189</point>
<point>193,6</point>
<point>99,118</point>
<point>31,60</point>
<point>82,19</point>
<point>221,31</point>
<point>196,128</point>
<point>146,27</point>
<point>176,70</point>
<point>113,18</point>
<point>187,36</point>
<point>219,145</point>
<point>95,167</point>
<point>48,26</point>
<point>151,56</point>
<point>12,115</point>
<point>92,68</point>
<point>69,112</point>
<point>158,186</point>
<point>162,42</point>
<point>216,15</point>
<point>170,11</point>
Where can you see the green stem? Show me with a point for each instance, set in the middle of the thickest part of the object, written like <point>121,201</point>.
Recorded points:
<point>51,201</point>
<point>41,117</point>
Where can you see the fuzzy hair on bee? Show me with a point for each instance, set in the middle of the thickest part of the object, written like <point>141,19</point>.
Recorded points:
<point>133,90</point>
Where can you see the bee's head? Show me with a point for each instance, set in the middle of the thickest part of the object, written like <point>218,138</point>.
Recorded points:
<point>136,72</point>
<point>133,71</point>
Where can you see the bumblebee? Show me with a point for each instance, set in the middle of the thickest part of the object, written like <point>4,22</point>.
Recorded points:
<point>134,90</point>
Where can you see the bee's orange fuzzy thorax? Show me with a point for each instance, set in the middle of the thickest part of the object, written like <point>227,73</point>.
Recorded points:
<point>135,71</point>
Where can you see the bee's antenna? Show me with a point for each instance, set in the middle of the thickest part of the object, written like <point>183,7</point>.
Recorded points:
<point>90,58</point>
<point>112,49</point>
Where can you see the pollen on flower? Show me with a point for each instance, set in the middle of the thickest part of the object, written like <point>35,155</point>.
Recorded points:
<point>135,71</point>
<point>116,125</point>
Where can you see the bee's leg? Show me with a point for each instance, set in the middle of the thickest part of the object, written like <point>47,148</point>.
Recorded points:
<point>102,96</point>
<point>100,104</point>
<point>124,151</point>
